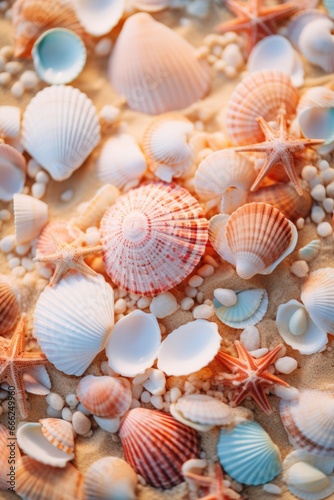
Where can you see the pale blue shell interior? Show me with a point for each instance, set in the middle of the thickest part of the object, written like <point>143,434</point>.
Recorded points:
<point>250,308</point>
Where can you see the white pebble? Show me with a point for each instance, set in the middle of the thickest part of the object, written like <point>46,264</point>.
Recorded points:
<point>42,177</point>
<point>286,365</point>
<point>18,271</point>
<point>29,280</point>
<point>4,78</point>
<point>187,303</point>
<point>2,63</point>
<point>317,214</point>
<point>206,271</point>
<point>258,353</point>
<point>330,190</point>
<point>318,193</point>
<point>66,414</point>
<point>143,302</point>
<point>120,306</point>
<point>250,338</point>
<point>83,409</point>
<point>108,424</point>
<point>5,215</point>
<point>109,114</point>
<point>81,423</point>
<point>175,394</point>
<point>157,402</point>
<point>72,401</point>
<point>163,305</point>
<point>324,229</point>
<point>202,312</point>
<point>230,72</point>
<point>145,397</point>
<point>156,383</point>
<point>29,79</point>
<point>33,168</point>
<point>103,47</point>
<point>299,268</point>
<point>225,296</point>
<point>300,223</point>
<point>7,51</point>
<point>17,90</point>
<point>323,165</point>
<point>7,244</point>
<point>220,65</point>
<point>316,181</point>
<point>273,489</point>
<point>44,271</point>
<point>52,413</point>
<point>327,175</point>
<point>328,205</point>
<point>232,56</point>
<point>13,67</point>
<point>38,190</point>
<point>55,401</point>
<point>67,195</point>
<point>287,393</point>
<point>309,172</point>
<point>195,281</point>
<point>22,249</point>
<point>14,262</point>
<point>190,292</point>
<point>200,297</point>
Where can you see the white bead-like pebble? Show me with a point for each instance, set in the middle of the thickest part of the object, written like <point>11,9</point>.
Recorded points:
<point>38,190</point>
<point>318,193</point>
<point>29,79</point>
<point>206,271</point>
<point>143,302</point>
<point>157,402</point>
<point>330,190</point>
<point>42,177</point>
<point>156,383</point>
<point>225,296</point>
<point>13,67</point>
<point>67,195</point>
<point>299,268</point>
<point>202,311</point>
<point>258,353</point>
<point>17,89</point>
<point>288,393</point>
<point>187,303</point>
<point>324,229</point>
<point>33,168</point>
<point>163,305</point>
<point>327,175</point>
<point>232,56</point>
<point>18,271</point>
<point>286,365</point>
<point>175,394</point>
<point>109,113</point>
<point>323,165</point>
<point>273,489</point>
<point>5,215</point>
<point>81,423</point>
<point>300,223</point>
<point>145,397</point>
<point>250,338</point>
<point>5,78</point>
<point>7,244</point>
<point>309,172</point>
<point>317,214</point>
<point>72,400</point>
<point>328,205</point>
<point>108,424</point>
<point>195,281</point>
<point>103,47</point>
<point>120,306</point>
<point>55,401</point>
<point>66,414</point>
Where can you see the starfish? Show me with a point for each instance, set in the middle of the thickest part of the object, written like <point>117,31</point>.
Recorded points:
<point>214,483</point>
<point>14,361</point>
<point>250,375</point>
<point>280,148</point>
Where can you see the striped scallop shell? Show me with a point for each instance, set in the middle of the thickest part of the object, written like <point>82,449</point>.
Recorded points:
<point>108,397</point>
<point>62,230</point>
<point>12,172</point>
<point>4,455</point>
<point>59,433</point>
<point>152,238</point>
<point>316,43</point>
<point>259,94</point>
<point>9,304</point>
<point>30,216</point>
<point>168,78</point>
<point>10,120</point>
<point>156,446</point>
<point>317,295</point>
<point>204,409</point>
<point>92,213</point>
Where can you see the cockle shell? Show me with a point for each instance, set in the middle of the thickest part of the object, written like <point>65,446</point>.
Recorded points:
<point>12,172</point>
<point>309,251</point>
<point>10,119</point>
<point>92,213</point>
<point>62,230</point>
<point>121,162</point>
<point>59,433</point>
<point>167,148</point>
<point>150,5</point>
<point>60,129</point>
<point>98,18</point>
<point>248,454</point>
<point>105,396</point>
<point>250,308</point>
<point>155,81</point>
<point>7,454</point>
<point>30,216</point>
<point>317,295</point>
<point>72,322</point>
<point>299,21</point>
<point>152,238</point>
<point>316,43</point>
<point>168,444</point>
<point>259,94</point>
<point>307,482</point>
<point>9,304</point>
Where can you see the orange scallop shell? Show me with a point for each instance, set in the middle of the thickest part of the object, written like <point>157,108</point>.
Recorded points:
<point>59,433</point>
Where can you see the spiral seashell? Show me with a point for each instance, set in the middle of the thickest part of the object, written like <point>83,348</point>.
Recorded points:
<point>155,81</point>
<point>59,433</point>
<point>259,94</point>
<point>316,43</point>
<point>299,21</point>
<point>9,304</point>
<point>317,295</point>
<point>91,215</point>
<point>315,114</point>
<point>12,171</point>
<point>62,230</point>
<point>98,18</point>
<point>250,308</point>
<point>152,238</point>
<point>30,216</point>
<point>168,444</point>
<point>307,482</point>
<point>10,121</point>
<point>4,454</point>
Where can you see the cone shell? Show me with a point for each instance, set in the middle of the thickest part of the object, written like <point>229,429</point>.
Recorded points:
<point>156,81</point>
<point>4,455</point>
<point>204,409</point>
<point>9,304</point>
<point>105,396</point>
<point>98,18</point>
<point>10,119</point>
<point>152,238</point>
<point>60,129</point>
<point>30,216</point>
<point>62,230</point>
<point>12,172</point>
<point>259,94</point>
<point>250,308</point>
<point>59,433</point>
<point>92,213</point>
<point>316,43</point>
<point>317,294</point>
<point>156,445</point>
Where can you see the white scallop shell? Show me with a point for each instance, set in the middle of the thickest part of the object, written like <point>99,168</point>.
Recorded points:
<point>309,251</point>
<point>250,308</point>
<point>325,464</point>
<point>298,23</point>
<point>203,409</point>
<point>10,120</point>
<point>316,43</point>
<point>12,172</point>
<point>98,17</point>
<point>72,322</point>
<point>315,114</point>
<point>93,211</point>
<point>317,295</point>
<point>60,129</point>
<point>30,216</point>
<point>307,482</point>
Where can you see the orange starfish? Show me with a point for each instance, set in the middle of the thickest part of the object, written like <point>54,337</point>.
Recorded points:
<point>14,361</point>
<point>214,483</point>
<point>250,375</point>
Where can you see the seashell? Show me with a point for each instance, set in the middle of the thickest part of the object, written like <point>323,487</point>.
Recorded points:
<point>196,343</point>
<point>248,454</point>
<point>134,343</point>
<point>12,172</point>
<point>10,120</point>
<point>259,94</point>
<point>64,113</point>
<point>250,308</point>
<point>62,230</point>
<point>72,322</point>
<point>98,18</point>
<point>325,464</point>
<point>329,7</point>
<point>59,433</point>
<point>32,17</point>
<point>59,56</point>
<point>307,482</point>
<point>37,381</point>
<point>121,162</point>
<point>105,396</point>
<point>9,304</point>
<point>316,43</point>
<point>309,421</point>
<point>255,238</point>
<point>110,478</point>
<point>298,23</point>
<point>91,215</point>
<point>34,443</point>
<point>317,295</point>
<point>30,216</point>
<point>167,147</point>
<point>309,251</point>
<point>155,81</point>
<point>152,238</point>
<point>5,454</point>
<point>298,330</point>
<point>35,481</point>
<point>168,444</point>
<point>150,5</point>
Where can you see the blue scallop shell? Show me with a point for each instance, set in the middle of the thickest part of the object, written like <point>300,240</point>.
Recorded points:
<point>250,308</point>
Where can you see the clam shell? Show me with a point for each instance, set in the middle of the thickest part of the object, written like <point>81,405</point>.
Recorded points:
<point>155,81</point>
<point>309,251</point>
<point>30,216</point>
<point>59,433</point>
<point>248,454</point>
<point>156,445</point>
<point>250,308</point>
<point>150,5</point>
<point>315,113</point>
<point>10,120</point>
<point>92,213</point>
<point>5,454</point>
<point>152,238</point>
<point>307,482</point>
<point>62,230</point>
<point>12,172</point>
<point>98,18</point>
<point>72,322</point>
<point>9,304</point>
<point>60,129</point>
<point>105,396</point>
<point>259,94</point>
<point>316,43</point>
<point>204,410</point>
<point>299,21</point>
<point>317,295</point>
<point>325,464</point>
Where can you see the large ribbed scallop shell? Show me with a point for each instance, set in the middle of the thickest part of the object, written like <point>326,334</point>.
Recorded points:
<point>62,230</point>
<point>95,208</point>
<point>59,433</point>
<point>153,237</point>
<point>10,119</point>
<point>12,172</point>
<point>259,94</point>
<point>60,129</point>
<point>5,453</point>
<point>156,445</point>
<point>317,295</point>
<point>204,409</point>
<point>30,216</point>
<point>98,18</point>
<point>9,304</point>
<point>154,68</point>
<point>316,43</point>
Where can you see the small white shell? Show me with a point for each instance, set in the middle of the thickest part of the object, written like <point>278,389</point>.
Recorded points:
<point>299,21</point>
<point>250,308</point>
<point>325,464</point>
<point>316,43</point>
<point>12,172</point>
<point>10,119</point>
<point>93,211</point>
<point>30,216</point>
<point>309,251</point>
<point>317,294</point>
<point>307,482</point>
<point>98,18</point>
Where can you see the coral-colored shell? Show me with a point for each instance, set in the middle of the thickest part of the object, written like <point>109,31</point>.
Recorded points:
<point>156,445</point>
<point>9,304</point>
<point>30,216</point>
<point>10,119</point>
<point>317,295</point>
<point>4,455</point>
<point>156,81</point>
<point>316,43</point>
<point>152,238</point>
<point>94,209</point>
<point>12,172</point>
<point>59,433</point>
<point>62,230</point>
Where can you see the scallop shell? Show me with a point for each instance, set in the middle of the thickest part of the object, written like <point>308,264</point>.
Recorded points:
<point>59,433</point>
<point>110,478</point>
<point>298,23</point>
<point>259,94</point>
<point>91,215</point>
<point>152,238</point>
<point>307,482</point>
<point>150,5</point>
<point>134,343</point>
<point>72,322</point>
<point>30,216</point>
<point>62,230</point>
<point>121,162</point>
<point>10,120</point>
<point>202,409</point>
<point>248,454</point>
<point>98,18</point>
<point>317,295</point>
<point>156,445</point>
<point>12,172</point>
<point>325,464</point>
<point>166,145</point>
<point>37,381</point>
<point>196,343</point>
<point>156,81</point>
<point>316,43</point>
<point>6,454</point>
<point>309,421</point>
<point>309,251</point>
<point>9,304</point>
<point>315,113</point>
<point>250,308</point>
<point>60,129</point>
<point>108,397</point>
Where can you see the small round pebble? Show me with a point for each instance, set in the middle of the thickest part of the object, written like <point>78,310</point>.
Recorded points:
<point>143,302</point>
<point>7,51</point>
<point>120,306</point>
<point>157,402</point>
<point>250,338</point>
<point>273,489</point>
<point>55,401</point>
<point>67,195</point>
<point>13,67</point>
<point>230,72</point>
<point>29,79</point>
<point>258,353</point>
<point>18,271</point>
<point>5,78</point>
<point>42,177</point>
<point>232,56</point>
<point>103,47</point>
<point>66,414</point>
<point>299,268</point>
<point>175,394</point>
<point>22,249</point>
<point>72,401</point>
<point>327,175</point>
<point>318,193</point>
<point>108,424</point>
<point>324,229</point>
<point>195,281</point>
<point>187,303</point>
<point>190,292</point>
<point>225,296</point>
<point>330,190</point>
<point>287,393</point>
<point>323,165</point>
<point>286,365</point>
<point>300,223</point>
<point>14,262</point>
<point>52,413</point>
<point>163,305</point>
<point>33,168</point>
<point>38,190</point>
<point>309,172</point>
<point>145,397</point>
<point>81,423</point>
<point>328,205</point>
<point>7,244</point>
<point>2,63</point>
<point>17,90</point>
<point>206,271</point>
<point>202,312</point>
<point>5,215</point>
<point>109,113</point>
<point>317,214</point>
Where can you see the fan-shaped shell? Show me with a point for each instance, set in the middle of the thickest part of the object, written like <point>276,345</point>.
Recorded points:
<point>248,454</point>
<point>30,216</point>
<point>317,295</point>
<point>60,129</point>
<point>316,43</point>
<point>9,304</point>
<point>98,18</point>
<point>59,433</point>
<point>6,455</point>
<point>315,114</point>
<point>152,238</point>
<point>10,119</point>
<point>12,172</point>
<point>72,322</point>
<point>298,23</point>
<point>202,409</point>
<point>156,81</point>
<point>92,213</point>
<point>105,396</point>
<point>309,251</point>
<point>250,308</point>
<point>307,482</point>
<point>62,230</point>
<point>259,94</point>
<point>156,445</point>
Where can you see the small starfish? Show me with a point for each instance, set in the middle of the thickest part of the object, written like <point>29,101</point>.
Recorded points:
<point>14,361</point>
<point>279,148</point>
<point>214,483</point>
<point>251,375</point>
